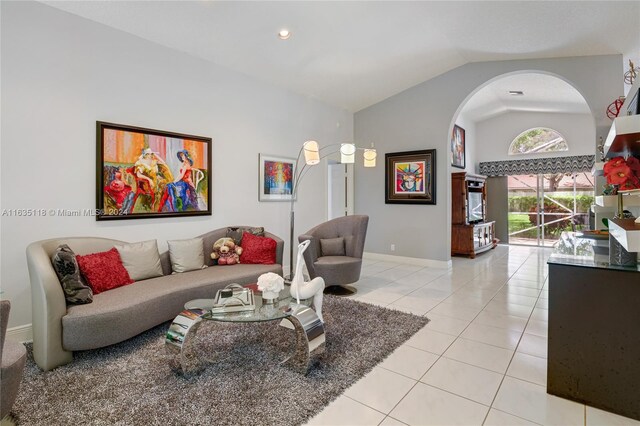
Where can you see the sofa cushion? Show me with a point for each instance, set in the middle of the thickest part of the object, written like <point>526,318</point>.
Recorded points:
<point>141,260</point>
<point>103,271</point>
<point>124,312</point>
<point>236,233</point>
<point>186,255</point>
<point>258,250</point>
<point>332,246</point>
<point>64,262</point>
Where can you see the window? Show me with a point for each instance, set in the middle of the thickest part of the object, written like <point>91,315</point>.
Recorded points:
<point>538,140</point>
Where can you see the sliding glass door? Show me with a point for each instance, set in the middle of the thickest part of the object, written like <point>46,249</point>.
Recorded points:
<point>542,206</point>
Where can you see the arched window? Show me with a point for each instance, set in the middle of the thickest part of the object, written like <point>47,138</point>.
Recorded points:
<point>538,140</point>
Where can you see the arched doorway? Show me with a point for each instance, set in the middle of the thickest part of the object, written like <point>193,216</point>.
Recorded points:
<point>530,118</point>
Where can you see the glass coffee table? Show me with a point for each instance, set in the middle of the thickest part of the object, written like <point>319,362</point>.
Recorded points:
<point>181,342</point>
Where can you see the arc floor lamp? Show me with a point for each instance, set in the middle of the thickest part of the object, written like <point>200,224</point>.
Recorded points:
<point>310,155</point>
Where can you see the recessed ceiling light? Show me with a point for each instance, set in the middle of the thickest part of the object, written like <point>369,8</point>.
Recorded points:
<point>284,34</point>
<point>516,92</point>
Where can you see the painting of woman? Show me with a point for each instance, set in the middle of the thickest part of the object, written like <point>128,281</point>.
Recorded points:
<point>181,194</point>
<point>151,173</point>
<point>146,173</point>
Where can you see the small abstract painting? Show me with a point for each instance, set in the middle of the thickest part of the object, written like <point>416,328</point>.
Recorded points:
<point>458,147</point>
<point>276,178</point>
<point>410,177</point>
<point>145,173</point>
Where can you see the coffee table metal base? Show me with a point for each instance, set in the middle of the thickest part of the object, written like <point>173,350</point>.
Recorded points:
<point>184,358</point>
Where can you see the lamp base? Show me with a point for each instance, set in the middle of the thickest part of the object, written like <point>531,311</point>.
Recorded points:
<point>341,290</point>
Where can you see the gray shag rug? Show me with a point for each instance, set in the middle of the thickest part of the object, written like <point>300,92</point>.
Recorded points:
<point>131,383</point>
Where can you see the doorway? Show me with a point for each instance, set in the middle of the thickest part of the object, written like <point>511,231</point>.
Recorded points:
<point>337,190</point>
<point>542,206</point>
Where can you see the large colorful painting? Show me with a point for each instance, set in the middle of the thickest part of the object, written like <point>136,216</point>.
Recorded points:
<point>276,178</point>
<point>458,147</point>
<point>145,173</point>
<point>410,177</point>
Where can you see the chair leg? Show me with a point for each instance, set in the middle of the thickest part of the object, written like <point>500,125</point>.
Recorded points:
<point>341,290</point>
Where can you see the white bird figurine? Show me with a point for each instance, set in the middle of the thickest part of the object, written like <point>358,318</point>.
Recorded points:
<point>304,290</point>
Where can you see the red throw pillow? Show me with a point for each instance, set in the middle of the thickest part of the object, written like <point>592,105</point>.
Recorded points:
<point>258,250</point>
<point>104,270</point>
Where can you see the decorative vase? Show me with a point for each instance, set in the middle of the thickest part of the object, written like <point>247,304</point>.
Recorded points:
<point>269,297</point>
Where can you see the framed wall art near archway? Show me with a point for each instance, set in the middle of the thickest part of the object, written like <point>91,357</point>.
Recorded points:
<point>410,177</point>
<point>458,147</point>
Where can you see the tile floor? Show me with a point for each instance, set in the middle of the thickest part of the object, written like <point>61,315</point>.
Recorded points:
<point>481,360</point>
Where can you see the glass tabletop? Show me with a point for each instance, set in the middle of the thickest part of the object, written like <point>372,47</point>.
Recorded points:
<point>280,309</point>
<point>577,250</point>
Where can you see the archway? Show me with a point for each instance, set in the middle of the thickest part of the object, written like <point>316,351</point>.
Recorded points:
<point>493,116</point>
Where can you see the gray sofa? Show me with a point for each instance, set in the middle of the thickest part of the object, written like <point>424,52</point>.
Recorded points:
<point>119,314</point>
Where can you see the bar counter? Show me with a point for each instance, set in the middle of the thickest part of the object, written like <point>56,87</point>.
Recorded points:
<point>594,327</point>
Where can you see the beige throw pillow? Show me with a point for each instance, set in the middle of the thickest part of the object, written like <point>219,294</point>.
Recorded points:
<point>186,255</point>
<point>141,260</point>
<point>332,246</point>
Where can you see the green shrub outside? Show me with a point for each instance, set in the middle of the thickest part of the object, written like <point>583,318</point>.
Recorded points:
<point>527,203</point>
<point>524,203</point>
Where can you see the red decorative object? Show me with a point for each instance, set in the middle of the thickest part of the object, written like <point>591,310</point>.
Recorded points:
<point>103,271</point>
<point>258,250</point>
<point>614,107</point>
<point>624,173</point>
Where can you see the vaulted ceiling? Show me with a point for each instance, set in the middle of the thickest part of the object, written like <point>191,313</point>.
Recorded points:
<point>541,93</point>
<point>354,54</point>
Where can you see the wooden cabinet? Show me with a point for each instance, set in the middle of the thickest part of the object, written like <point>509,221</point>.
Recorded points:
<point>470,234</point>
<point>470,240</point>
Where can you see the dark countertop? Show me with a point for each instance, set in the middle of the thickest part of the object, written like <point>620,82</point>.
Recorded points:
<point>572,250</point>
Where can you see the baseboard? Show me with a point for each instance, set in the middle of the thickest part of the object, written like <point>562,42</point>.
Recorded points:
<point>21,333</point>
<point>409,260</point>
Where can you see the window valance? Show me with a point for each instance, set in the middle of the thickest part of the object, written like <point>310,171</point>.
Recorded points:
<point>577,163</point>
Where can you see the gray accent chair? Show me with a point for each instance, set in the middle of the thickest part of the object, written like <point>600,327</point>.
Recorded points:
<point>13,356</point>
<point>337,271</point>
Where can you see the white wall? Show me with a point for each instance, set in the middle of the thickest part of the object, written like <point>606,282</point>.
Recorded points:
<point>494,135</point>
<point>61,73</point>
<point>422,118</point>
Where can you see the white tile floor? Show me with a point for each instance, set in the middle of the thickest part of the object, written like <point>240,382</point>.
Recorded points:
<point>481,360</point>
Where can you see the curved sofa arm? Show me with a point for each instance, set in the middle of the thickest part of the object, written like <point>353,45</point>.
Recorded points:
<point>311,254</point>
<point>48,308</point>
<point>279,246</point>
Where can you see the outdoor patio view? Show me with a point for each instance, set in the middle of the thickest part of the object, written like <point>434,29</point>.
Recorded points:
<point>542,206</point>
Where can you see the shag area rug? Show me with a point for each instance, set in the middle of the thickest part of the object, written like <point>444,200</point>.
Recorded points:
<point>131,383</point>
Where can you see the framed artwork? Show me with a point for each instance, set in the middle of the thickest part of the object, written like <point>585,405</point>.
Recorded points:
<point>275,178</point>
<point>458,147</point>
<point>410,177</point>
<point>145,173</point>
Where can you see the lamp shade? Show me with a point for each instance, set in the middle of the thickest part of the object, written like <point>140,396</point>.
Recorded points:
<point>370,156</point>
<point>311,153</point>
<point>347,153</point>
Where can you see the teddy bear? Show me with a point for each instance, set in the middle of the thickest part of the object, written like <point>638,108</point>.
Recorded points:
<point>226,252</point>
